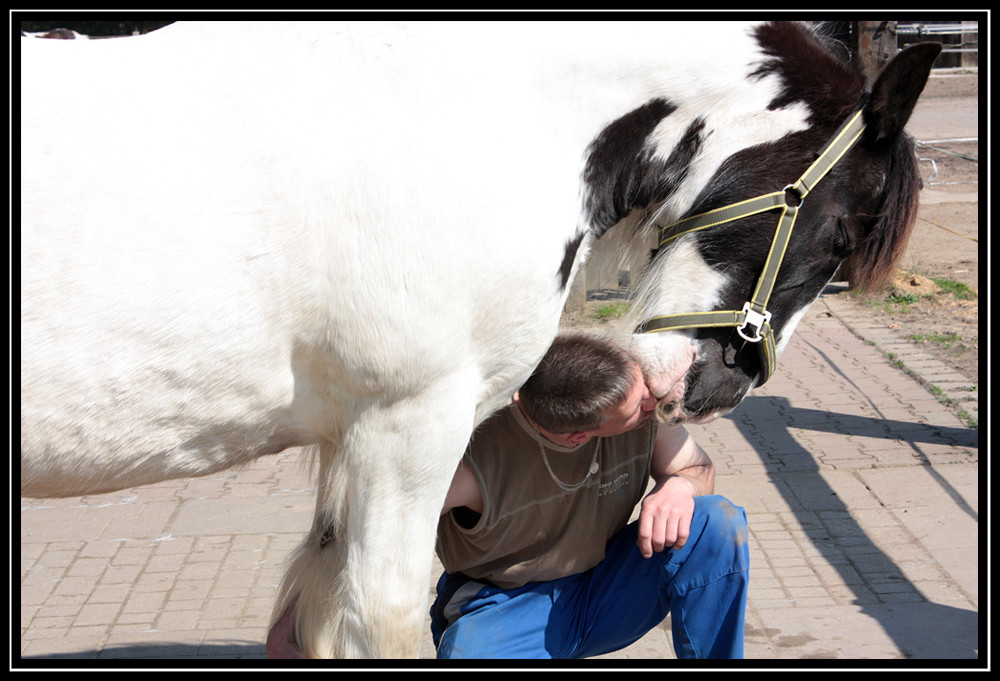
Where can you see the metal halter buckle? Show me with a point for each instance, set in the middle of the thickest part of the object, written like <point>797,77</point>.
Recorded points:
<point>755,319</point>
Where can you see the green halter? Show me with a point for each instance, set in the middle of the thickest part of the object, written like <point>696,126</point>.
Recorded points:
<point>753,322</point>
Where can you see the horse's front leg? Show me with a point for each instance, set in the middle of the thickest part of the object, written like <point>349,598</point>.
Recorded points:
<point>360,579</point>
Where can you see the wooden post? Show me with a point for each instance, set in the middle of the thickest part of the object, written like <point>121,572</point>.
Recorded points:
<point>873,44</point>
<point>970,59</point>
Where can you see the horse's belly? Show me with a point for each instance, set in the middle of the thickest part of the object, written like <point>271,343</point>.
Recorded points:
<point>144,364</point>
<point>135,414</point>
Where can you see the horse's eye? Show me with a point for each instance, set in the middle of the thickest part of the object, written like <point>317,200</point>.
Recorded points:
<point>842,242</point>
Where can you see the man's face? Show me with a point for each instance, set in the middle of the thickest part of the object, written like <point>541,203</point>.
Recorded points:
<point>632,413</point>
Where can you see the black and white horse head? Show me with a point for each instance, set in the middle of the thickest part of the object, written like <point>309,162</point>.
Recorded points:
<point>861,213</point>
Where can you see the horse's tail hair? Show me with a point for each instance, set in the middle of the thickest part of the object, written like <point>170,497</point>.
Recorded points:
<point>314,577</point>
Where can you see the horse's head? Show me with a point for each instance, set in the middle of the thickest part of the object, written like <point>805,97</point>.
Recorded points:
<point>858,215</point>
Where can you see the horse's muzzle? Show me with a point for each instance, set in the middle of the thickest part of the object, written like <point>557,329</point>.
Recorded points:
<point>669,412</point>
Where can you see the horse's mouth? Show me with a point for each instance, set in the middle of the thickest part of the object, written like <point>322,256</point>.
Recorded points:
<point>686,402</point>
<point>671,412</point>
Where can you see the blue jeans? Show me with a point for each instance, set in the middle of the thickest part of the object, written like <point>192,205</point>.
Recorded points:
<point>703,586</point>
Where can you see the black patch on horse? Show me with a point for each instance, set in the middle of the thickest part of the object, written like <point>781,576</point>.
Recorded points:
<point>795,54</point>
<point>621,173</point>
<point>569,255</point>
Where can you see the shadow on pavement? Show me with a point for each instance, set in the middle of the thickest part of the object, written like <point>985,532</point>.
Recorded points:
<point>919,628</point>
<point>159,651</point>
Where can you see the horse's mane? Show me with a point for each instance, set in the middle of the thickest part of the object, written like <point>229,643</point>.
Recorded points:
<point>812,69</point>
<point>873,262</point>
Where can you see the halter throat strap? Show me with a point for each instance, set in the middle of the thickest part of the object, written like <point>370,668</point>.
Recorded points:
<point>753,321</point>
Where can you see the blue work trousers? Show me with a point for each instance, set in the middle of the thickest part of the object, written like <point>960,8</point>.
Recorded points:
<point>703,586</point>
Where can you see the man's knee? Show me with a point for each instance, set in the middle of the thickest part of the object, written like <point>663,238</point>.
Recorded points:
<point>722,520</point>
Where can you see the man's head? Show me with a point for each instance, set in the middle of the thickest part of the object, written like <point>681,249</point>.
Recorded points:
<point>586,385</point>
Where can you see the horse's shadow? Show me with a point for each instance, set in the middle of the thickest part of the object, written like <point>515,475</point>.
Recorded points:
<point>918,627</point>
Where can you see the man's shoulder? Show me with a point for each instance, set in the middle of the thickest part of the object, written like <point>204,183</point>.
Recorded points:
<point>501,419</point>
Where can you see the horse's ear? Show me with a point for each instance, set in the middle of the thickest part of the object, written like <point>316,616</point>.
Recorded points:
<point>896,91</point>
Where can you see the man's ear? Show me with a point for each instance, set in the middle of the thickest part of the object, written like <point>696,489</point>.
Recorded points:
<point>576,438</point>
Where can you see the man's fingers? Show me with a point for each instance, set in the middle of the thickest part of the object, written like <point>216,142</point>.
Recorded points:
<point>659,531</point>
<point>644,541</point>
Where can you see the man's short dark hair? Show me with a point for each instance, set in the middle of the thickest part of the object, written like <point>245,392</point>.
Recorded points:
<point>579,379</point>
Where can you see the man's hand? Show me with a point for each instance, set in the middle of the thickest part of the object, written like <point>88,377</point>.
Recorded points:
<point>682,471</point>
<point>665,515</point>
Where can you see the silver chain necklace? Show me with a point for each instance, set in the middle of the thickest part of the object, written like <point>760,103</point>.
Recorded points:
<point>565,486</point>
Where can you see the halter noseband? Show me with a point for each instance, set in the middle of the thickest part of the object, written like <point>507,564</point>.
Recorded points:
<point>753,322</point>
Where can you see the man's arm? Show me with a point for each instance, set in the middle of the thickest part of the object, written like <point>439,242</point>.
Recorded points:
<point>681,470</point>
<point>464,490</point>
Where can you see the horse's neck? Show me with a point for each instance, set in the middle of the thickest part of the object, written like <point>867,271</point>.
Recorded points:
<point>692,111</point>
<point>718,93</point>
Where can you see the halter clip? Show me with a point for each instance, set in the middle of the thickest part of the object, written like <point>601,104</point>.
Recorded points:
<point>754,319</point>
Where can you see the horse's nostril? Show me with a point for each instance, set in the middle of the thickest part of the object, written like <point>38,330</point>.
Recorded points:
<point>668,411</point>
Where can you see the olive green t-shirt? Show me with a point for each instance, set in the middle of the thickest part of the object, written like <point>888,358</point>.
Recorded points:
<point>530,528</point>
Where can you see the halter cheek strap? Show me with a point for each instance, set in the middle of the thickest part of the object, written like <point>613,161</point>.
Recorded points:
<point>753,321</point>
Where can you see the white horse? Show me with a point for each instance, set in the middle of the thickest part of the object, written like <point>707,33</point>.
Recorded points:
<point>240,238</point>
